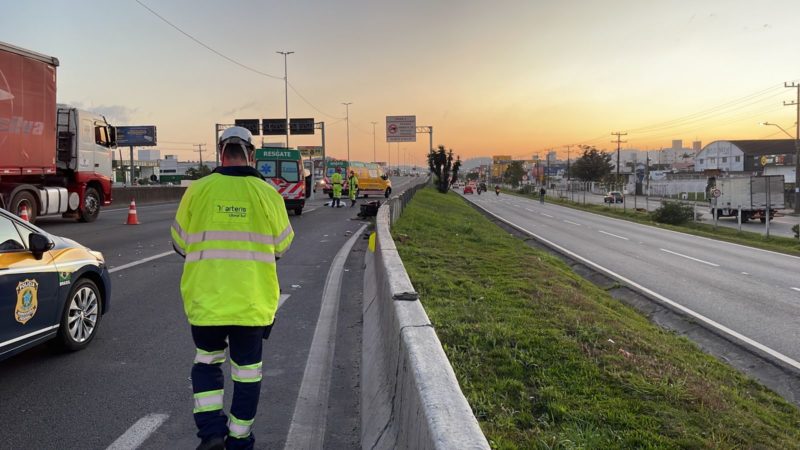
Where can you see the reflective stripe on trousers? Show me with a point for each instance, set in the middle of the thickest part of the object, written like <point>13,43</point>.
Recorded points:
<point>208,401</point>
<point>204,357</point>
<point>238,428</point>
<point>246,374</point>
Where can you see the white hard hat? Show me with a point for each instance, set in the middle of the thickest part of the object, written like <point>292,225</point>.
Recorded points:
<point>236,135</point>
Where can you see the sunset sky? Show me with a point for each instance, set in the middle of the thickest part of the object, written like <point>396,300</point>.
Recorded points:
<point>499,77</point>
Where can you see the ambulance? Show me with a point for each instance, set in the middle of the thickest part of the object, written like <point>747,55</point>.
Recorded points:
<point>283,168</point>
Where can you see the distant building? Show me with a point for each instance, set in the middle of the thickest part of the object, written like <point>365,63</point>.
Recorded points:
<point>499,165</point>
<point>764,156</point>
<point>697,146</point>
<point>149,154</point>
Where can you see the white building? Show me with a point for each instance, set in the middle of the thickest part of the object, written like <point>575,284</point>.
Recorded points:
<point>764,156</point>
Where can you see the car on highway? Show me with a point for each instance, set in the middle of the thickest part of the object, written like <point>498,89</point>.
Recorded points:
<point>614,197</point>
<point>468,189</point>
<point>51,288</point>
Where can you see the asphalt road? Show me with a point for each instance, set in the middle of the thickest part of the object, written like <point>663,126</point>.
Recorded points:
<point>134,378</point>
<point>779,226</point>
<point>752,292</point>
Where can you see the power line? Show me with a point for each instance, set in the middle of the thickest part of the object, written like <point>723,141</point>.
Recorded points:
<point>209,48</point>
<point>312,105</point>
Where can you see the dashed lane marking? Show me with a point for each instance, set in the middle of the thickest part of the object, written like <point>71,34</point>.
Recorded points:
<point>528,209</point>
<point>141,261</point>
<point>689,257</point>
<point>796,289</point>
<point>614,235</point>
<point>572,223</point>
<point>283,299</point>
<point>138,432</point>
<point>546,215</point>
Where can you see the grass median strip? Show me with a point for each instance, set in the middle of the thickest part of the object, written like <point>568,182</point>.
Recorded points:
<point>548,360</point>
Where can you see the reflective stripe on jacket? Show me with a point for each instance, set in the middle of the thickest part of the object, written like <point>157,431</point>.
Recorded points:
<point>231,229</point>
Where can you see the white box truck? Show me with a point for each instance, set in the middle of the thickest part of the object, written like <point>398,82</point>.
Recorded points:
<point>753,195</point>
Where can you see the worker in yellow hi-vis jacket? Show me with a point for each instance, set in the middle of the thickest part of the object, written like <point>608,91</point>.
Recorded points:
<point>231,227</point>
<point>337,182</point>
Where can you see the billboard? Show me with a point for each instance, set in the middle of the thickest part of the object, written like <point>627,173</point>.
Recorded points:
<point>250,124</point>
<point>401,128</point>
<point>301,126</point>
<point>136,136</point>
<point>310,151</point>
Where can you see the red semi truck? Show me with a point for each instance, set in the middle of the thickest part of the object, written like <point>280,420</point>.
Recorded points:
<point>54,159</point>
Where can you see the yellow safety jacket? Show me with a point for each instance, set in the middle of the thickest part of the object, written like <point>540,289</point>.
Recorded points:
<point>231,226</point>
<point>336,180</point>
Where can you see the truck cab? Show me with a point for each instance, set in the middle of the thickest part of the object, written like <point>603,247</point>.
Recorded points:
<point>85,145</point>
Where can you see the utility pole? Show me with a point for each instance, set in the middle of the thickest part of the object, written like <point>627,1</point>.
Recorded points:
<point>618,141</point>
<point>286,92</point>
<point>374,158</point>
<point>200,151</point>
<point>347,121</point>
<point>568,147</point>
<point>796,147</point>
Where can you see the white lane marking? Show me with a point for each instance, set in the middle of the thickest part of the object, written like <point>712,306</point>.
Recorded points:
<point>282,299</point>
<point>311,409</point>
<point>571,222</point>
<point>546,215</point>
<point>796,289</point>
<point>722,328</point>
<point>528,209</point>
<point>745,273</point>
<point>141,261</point>
<point>615,235</point>
<point>138,432</point>
<point>689,257</point>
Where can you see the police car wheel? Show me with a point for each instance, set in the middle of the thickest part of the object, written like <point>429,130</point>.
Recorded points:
<point>81,316</point>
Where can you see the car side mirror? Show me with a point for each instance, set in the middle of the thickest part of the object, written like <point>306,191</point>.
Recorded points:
<point>38,244</point>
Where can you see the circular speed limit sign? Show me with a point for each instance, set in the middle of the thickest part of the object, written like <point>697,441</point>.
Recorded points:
<point>716,193</point>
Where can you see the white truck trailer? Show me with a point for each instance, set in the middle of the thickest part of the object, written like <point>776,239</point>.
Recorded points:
<point>753,195</point>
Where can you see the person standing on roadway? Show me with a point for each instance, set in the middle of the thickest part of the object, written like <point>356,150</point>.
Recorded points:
<point>231,227</point>
<point>542,192</point>
<point>352,187</point>
<point>336,180</point>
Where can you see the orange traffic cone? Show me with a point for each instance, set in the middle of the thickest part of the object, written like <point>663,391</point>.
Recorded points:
<point>23,214</point>
<point>133,219</point>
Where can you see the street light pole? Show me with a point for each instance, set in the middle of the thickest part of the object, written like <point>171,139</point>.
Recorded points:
<point>286,92</point>
<point>374,158</point>
<point>347,121</point>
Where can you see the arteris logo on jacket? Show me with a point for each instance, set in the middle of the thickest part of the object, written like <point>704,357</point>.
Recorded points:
<point>231,211</point>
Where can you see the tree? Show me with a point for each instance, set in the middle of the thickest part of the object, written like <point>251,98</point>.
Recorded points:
<point>456,168</point>
<point>193,173</point>
<point>440,163</point>
<point>593,165</point>
<point>514,173</point>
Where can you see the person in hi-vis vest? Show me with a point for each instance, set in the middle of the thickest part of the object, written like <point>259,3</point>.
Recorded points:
<point>231,227</point>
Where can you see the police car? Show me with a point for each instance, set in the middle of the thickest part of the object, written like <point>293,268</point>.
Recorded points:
<point>50,288</point>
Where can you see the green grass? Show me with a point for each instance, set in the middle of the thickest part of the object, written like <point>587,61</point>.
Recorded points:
<point>548,360</point>
<point>774,243</point>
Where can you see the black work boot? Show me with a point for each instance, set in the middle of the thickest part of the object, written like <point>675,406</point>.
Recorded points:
<point>215,443</point>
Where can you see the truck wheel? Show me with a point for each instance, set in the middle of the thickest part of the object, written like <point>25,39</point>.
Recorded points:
<point>298,211</point>
<point>27,200</point>
<point>91,206</point>
<point>388,192</point>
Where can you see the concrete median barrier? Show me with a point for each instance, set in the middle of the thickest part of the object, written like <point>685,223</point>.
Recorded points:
<point>410,397</point>
<point>147,194</point>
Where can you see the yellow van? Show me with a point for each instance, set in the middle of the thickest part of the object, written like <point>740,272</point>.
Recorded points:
<point>371,179</point>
